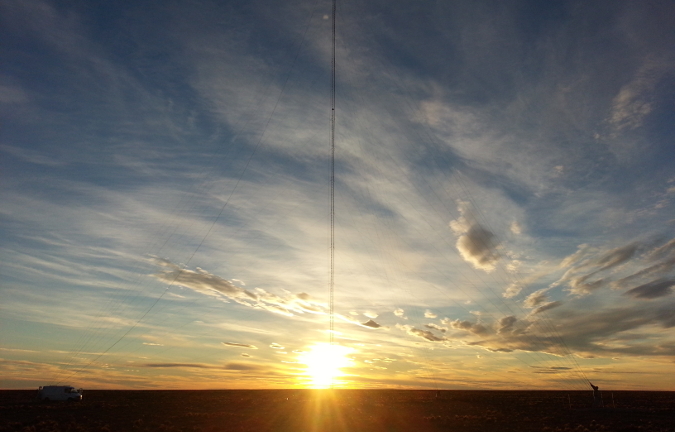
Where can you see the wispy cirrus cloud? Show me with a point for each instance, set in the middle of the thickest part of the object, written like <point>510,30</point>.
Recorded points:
<point>204,282</point>
<point>135,152</point>
<point>635,99</point>
<point>628,266</point>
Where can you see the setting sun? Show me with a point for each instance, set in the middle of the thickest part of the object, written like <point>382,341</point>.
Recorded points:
<point>324,362</point>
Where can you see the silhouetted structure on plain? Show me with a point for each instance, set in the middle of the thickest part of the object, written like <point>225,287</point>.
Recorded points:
<point>597,397</point>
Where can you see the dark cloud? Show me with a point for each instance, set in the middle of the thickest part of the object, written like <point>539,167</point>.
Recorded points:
<point>661,268</point>
<point>229,366</point>
<point>666,316</point>
<point>477,247</point>
<point>475,243</point>
<point>550,370</point>
<point>242,366</point>
<point>651,290</point>
<point>234,344</point>
<point>371,324</point>
<point>661,251</point>
<point>613,321</point>
<point>547,306</point>
<point>616,256</point>
<point>478,329</point>
<point>503,350</point>
<point>505,324</point>
<point>178,365</point>
<point>424,334</point>
<point>584,333</point>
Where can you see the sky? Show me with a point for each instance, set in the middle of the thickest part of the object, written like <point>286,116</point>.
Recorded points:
<point>504,194</point>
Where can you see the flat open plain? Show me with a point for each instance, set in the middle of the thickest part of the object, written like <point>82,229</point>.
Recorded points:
<point>339,410</point>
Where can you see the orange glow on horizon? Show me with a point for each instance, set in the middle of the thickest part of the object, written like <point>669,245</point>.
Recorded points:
<point>324,363</point>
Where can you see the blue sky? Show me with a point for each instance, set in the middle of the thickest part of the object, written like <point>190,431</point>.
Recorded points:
<point>505,185</point>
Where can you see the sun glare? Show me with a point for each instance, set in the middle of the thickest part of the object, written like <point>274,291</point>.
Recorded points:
<point>324,362</point>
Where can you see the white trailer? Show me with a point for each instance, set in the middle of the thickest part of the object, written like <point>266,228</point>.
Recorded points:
<point>59,393</point>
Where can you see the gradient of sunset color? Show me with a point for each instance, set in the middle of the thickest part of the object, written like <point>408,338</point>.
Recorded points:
<point>505,190</point>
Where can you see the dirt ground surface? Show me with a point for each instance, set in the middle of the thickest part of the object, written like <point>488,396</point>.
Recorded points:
<point>339,410</point>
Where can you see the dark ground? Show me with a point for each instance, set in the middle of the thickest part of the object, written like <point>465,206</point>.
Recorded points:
<point>339,410</point>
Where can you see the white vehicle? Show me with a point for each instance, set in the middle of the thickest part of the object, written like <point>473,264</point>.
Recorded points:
<point>59,393</point>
